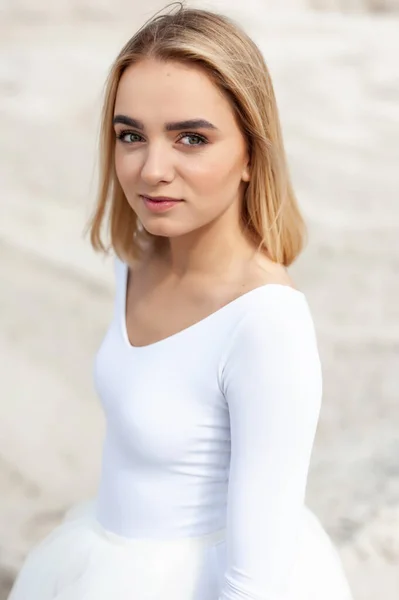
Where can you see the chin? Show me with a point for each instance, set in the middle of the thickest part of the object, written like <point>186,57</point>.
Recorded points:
<point>166,230</point>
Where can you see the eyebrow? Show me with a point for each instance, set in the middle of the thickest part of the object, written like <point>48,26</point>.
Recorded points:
<point>175,126</point>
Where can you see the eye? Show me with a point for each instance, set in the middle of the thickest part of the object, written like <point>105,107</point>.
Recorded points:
<point>194,139</point>
<point>128,137</point>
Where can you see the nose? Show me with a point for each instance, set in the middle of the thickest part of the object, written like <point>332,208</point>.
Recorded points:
<point>157,165</point>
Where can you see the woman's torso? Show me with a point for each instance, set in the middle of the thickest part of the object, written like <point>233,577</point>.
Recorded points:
<point>167,448</point>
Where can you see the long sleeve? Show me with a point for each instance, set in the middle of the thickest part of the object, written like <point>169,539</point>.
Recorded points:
<point>271,378</point>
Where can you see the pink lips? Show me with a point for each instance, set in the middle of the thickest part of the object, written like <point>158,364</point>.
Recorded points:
<point>159,204</point>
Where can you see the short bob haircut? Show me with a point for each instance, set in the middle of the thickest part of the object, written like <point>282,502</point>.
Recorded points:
<point>270,213</point>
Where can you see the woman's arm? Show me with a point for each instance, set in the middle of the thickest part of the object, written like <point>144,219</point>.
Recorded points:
<point>271,379</point>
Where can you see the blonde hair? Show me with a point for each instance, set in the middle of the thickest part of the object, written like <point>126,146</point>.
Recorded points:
<point>270,212</point>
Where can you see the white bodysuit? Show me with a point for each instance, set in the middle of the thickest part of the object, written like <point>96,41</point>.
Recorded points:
<point>211,430</point>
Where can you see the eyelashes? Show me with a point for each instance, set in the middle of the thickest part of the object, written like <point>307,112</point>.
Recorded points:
<point>202,140</point>
<point>123,136</point>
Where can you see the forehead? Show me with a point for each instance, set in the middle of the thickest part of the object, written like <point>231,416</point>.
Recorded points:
<point>169,91</point>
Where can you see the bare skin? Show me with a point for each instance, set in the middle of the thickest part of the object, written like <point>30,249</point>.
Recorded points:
<point>207,259</point>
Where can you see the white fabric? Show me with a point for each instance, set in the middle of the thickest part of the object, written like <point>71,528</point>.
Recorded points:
<point>209,429</point>
<point>82,561</point>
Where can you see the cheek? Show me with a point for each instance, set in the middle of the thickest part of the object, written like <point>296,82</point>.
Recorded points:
<point>215,172</point>
<point>125,167</point>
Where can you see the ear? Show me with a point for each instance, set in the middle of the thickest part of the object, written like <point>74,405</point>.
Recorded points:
<point>246,174</point>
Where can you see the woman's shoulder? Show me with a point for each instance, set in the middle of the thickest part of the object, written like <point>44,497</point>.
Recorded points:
<point>273,301</point>
<point>275,320</point>
<point>265,271</point>
<point>272,281</point>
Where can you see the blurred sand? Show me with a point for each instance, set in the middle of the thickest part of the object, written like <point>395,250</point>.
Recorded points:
<point>337,82</point>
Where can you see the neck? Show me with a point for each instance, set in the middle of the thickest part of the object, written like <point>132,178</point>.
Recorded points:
<point>212,250</point>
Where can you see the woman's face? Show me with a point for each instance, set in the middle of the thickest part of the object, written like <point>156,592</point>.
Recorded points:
<point>177,137</point>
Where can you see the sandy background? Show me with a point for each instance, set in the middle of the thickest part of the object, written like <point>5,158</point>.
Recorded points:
<point>336,76</point>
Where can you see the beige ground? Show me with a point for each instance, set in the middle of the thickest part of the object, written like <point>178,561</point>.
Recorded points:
<point>337,82</point>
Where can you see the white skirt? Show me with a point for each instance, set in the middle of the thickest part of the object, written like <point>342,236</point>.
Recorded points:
<point>80,560</point>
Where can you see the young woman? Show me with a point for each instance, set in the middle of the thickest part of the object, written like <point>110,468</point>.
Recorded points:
<point>209,373</point>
